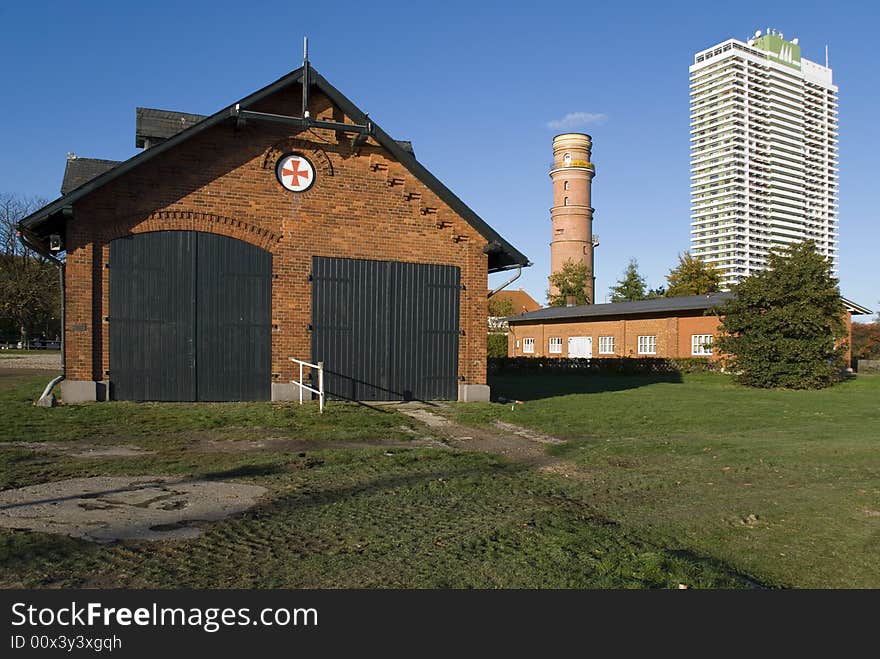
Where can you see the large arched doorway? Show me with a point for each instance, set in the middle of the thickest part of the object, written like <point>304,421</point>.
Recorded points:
<point>190,318</point>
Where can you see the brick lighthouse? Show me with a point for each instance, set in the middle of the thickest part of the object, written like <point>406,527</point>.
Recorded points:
<point>572,175</point>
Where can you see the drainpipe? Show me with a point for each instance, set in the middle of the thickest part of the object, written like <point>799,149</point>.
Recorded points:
<point>47,399</point>
<point>508,282</point>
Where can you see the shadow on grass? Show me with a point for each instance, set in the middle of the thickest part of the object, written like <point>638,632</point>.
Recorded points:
<point>244,471</point>
<point>528,386</point>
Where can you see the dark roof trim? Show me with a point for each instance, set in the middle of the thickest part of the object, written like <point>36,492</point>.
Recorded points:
<point>506,258</point>
<point>657,305</point>
<point>513,256</point>
<point>855,308</point>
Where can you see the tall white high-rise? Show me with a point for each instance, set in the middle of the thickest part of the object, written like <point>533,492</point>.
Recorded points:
<point>763,153</point>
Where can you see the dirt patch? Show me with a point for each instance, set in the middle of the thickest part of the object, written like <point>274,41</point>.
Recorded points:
<point>430,419</point>
<point>41,362</point>
<point>514,442</point>
<point>281,444</point>
<point>79,449</point>
<point>104,509</point>
<point>531,435</point>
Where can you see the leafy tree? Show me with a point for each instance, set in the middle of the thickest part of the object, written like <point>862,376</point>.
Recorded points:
<point>866,340</point>
<point>29,293</point>
<point>500,307</point>
<point>692,276</point>
<point>574,280</point>
<point>784,327</point>
<point>496,345</point>
<point>631,286</point>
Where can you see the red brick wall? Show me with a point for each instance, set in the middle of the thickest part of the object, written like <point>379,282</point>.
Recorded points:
<point>363,205</point>
<point>673,335</point>
<point>689,326</point>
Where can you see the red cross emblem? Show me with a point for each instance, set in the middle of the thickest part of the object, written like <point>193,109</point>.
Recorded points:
<point>295,172</point>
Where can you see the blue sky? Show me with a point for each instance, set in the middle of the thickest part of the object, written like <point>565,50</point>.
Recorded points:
<point>473,85</point>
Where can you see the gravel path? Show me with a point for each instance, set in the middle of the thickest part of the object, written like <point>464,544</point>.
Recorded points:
<point>46,361</point>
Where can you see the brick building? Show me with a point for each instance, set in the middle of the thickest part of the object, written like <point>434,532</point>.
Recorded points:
<point>285,225</point>
<point>663,327</point>
<point>522,302</point>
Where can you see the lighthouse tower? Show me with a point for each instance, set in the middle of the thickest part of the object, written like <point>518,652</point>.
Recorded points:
<point>572,175</point>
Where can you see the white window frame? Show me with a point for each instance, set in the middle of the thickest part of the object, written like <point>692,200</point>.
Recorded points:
<point>648,344</point>
<point>606,345</point>
<point>528,346</point>
<point>554,345</point>
<point>699,343</point>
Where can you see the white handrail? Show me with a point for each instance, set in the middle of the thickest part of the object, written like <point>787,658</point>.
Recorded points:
<point>301,385</point>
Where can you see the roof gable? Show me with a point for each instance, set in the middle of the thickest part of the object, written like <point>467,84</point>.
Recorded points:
<point>502,255</point>
<point>522,302</point>
<point>153,126</point>
<point>80,171</point>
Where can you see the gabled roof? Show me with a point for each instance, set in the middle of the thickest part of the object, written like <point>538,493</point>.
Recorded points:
<point>658,305</point>
<point>502,255</point>
<point>79,171</point>
<point>855,308</point>
<point>153,126</point>
<point>522,301</point>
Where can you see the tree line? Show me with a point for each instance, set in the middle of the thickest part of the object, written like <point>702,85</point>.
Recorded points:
<point>691,276</point>
<point>30,296</point>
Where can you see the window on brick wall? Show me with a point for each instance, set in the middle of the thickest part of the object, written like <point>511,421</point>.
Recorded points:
<point>555,345</point>
<point>528,346</point>
<point>606,345</point>
<point>701,344</point>
<point>647,345</point>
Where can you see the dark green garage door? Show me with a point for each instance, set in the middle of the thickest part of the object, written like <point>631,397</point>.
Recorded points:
<point>386,330</point>
<point>190,318</point>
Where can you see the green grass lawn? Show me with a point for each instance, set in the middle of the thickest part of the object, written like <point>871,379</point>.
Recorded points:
<point>352,516</point>
<point>19,420</point>
<point>783,485</point>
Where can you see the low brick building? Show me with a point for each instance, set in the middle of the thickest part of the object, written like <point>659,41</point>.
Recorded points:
<point>287,224</point>
<point>663,327</point>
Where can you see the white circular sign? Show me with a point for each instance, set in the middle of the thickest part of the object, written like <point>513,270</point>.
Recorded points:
<point>295,172</point>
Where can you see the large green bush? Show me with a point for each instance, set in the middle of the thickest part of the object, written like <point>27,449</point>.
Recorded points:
<point>785,325</point>
<point>496,346</point>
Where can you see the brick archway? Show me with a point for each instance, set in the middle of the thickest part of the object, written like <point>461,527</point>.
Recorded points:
<point>322,161</point>
<point>186,220</point>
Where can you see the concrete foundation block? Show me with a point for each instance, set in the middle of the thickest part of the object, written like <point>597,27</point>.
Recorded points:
<point>287,392</point>
<point>81,391</point>
<point>473,393</point>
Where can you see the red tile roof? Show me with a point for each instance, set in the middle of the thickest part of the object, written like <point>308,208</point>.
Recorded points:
<point>522,301</point>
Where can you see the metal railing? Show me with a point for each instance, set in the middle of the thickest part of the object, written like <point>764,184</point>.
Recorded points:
<point>302,386</point>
